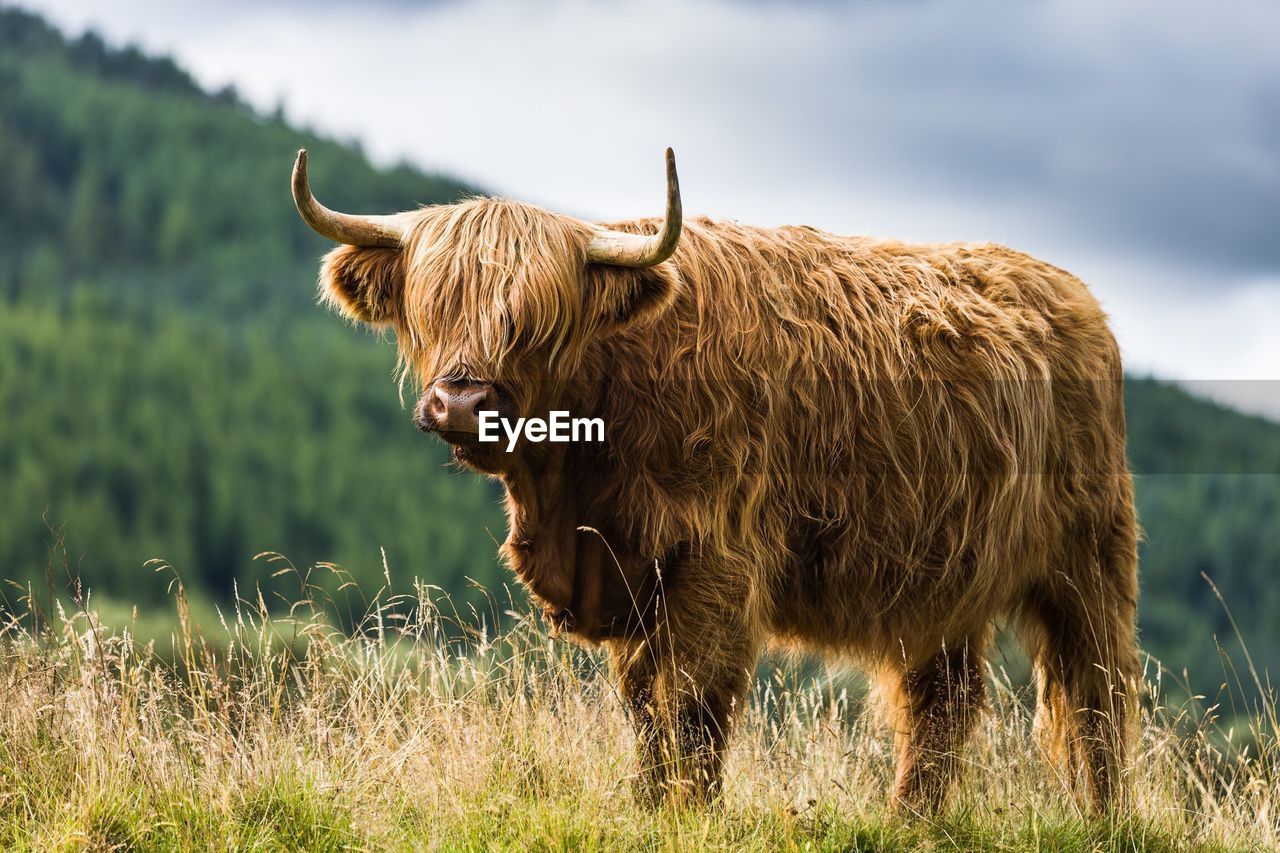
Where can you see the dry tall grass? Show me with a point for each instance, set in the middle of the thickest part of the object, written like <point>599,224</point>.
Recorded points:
<point>276,730</point>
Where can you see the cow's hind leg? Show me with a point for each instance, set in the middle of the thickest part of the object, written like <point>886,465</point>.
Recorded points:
<point>935,706</point>
<point>1080,635</point>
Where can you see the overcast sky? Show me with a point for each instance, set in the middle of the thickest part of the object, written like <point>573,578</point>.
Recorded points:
<point>1135,143</point>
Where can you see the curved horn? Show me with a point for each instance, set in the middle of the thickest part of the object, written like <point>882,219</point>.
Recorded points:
<point>341,227</point>
<point>637,250</point>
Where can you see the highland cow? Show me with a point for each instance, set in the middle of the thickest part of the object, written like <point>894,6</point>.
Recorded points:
<point>841,444</point>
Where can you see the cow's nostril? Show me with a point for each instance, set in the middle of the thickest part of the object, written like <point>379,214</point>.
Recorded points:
<point>423,417</point>
<point>437,403</point>
<point>485,403</point>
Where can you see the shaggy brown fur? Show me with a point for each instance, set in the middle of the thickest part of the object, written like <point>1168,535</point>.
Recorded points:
<point>837,443</point>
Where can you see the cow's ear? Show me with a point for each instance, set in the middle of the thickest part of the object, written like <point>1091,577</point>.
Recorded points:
<point>622,296</point>
<point>365,284</point>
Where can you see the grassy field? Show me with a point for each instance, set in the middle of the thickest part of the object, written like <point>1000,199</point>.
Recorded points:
<point>270,729</point>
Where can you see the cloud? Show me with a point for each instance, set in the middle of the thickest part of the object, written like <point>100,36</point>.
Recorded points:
<point>1135,143</point>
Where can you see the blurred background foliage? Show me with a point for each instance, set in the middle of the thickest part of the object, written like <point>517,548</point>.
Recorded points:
<point>168,388</point>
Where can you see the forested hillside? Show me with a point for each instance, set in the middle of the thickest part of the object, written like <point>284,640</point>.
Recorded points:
<point>168,388</point>
<point>1208,484</point>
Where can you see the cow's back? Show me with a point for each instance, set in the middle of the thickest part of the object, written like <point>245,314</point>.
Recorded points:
<point>844,413</point>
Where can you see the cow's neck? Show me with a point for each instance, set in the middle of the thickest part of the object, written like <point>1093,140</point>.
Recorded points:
<point>541,516</point>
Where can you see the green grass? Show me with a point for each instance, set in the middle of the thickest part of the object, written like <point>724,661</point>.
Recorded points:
<point>401,736</point>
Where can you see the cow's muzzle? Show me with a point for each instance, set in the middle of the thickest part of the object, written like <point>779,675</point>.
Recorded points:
<point>452,408</point>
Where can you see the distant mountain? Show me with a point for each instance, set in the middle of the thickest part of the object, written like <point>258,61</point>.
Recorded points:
<point>169,388</point>
<point>120,170</point>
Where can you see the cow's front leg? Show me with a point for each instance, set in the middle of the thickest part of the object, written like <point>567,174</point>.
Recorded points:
<point>636,671</point>
<point>684,682</point>
<point>937,705</point>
